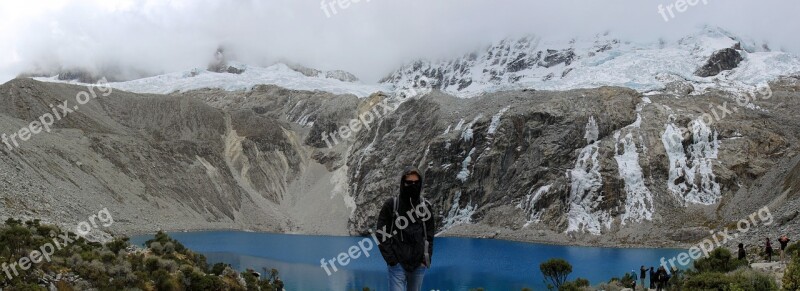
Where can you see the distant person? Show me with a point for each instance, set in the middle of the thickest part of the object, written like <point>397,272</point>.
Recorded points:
<point>768,250</point>
<point>652,278</point>
<point>661,278</point>
<point>643,276</point>
<point>407,220</point>
<point>742,252</point>
<point>784,241</point>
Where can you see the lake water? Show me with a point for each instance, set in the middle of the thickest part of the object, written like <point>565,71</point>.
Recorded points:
<point>458,263</point>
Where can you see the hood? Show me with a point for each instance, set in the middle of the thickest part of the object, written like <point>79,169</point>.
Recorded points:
<point>408,170</point>
<point>408,197</point>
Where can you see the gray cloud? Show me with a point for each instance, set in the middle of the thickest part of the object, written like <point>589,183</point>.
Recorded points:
<point>368,38</point>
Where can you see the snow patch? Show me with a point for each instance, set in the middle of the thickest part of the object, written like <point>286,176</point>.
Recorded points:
<point>691,176</point>
<point>458,215</point>
<point>496,120</point>
<point>592,132</point>
<point>530,201</point>
<point>639,199</point>
<point>464,173</point>
<point>585,195</point>
<point>467,133</point>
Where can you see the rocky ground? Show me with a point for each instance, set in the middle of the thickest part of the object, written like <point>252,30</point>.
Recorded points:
<point>507,165</point>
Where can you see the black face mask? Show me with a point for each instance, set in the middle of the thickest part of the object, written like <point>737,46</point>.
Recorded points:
<point>411,189</point>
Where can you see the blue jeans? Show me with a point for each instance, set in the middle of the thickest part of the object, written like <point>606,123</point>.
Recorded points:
<point>400,280</point>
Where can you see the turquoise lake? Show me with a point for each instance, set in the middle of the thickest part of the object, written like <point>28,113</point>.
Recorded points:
<point>458,263</point>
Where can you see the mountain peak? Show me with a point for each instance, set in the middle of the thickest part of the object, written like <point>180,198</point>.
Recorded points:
<point>531,62</point>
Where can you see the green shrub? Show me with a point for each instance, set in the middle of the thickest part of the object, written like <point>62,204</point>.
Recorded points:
<point>627,280</point>
<point>791,278</point>
<point>577,285</point>
<point>708,281</point>
<point>569,286</point>
<point>719,260</point>
<point>792,249</point>
<point>218,268</point>
<point>751,280</point>
<point>555,271</point>
<point>106,267</point>
<point>118,244</point>
<point>739,280</point>
<point>582,282</point>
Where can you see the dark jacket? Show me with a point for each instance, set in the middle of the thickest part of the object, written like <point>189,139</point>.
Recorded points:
<point>412,244</point>
<point>783,243</point>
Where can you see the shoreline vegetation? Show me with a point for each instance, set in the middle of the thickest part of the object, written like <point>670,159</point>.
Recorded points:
<point>166,264</point>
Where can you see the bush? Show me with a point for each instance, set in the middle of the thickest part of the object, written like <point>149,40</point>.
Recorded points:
<point>170,266</point>
<point>791,279</point>
<point>555,272</point>
<point>708,281</point>
<point>218,268</point>
<point>792,249</point>
<point>627,280</point>
<point>582,282</point>
<point>118,244</point>
<point>740,280</point>
<point>611,286</point>
<point>719,260</point>
<point>569,286</point>
<point>165,281</point>
<point>577,285</point>
<point>751,280</point>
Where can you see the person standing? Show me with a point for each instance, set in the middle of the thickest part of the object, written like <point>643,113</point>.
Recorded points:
<point>652,278</point>
<point>661,278</point>
<point>768,250</point>
<point>784,241</point>
<point>742,253</point>
<point>407,223</point>
<point>643,276</point>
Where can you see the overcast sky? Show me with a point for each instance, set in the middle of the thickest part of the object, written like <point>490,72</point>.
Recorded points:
<point>369,39</point>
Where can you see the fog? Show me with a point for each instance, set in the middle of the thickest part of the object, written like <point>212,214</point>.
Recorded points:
<point>367,38</point>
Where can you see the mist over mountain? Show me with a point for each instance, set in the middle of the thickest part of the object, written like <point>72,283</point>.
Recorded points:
<point>133,39</point>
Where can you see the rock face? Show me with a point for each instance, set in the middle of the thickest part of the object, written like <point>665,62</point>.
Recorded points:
<point>220,64</point>
<point>722,60</point>
<point>340,75</point>
<point>604,166</point>
<point>154,161</point>
<point>503,62</point>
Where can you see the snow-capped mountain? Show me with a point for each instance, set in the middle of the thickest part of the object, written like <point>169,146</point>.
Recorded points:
<point>237,76</point>
<point>710,58</point>
<point>537,63</point>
